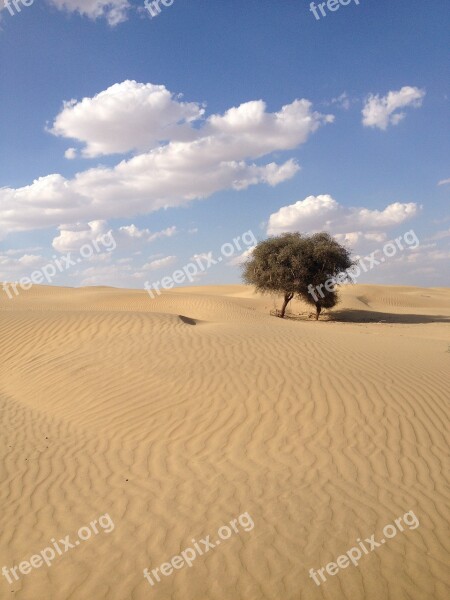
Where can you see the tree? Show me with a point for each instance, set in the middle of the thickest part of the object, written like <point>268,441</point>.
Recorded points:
<point>296,264</point>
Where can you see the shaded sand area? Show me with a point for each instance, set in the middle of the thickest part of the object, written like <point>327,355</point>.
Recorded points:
<point>178,414</point>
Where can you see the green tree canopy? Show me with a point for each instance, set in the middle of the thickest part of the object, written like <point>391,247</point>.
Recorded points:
<point>296,264</point>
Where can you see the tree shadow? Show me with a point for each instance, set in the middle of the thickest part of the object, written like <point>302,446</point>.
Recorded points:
<point>349,315</point>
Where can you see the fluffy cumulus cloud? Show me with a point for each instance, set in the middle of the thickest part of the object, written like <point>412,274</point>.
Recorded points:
<point>131,116</point>
<point>384,111</point>
<point>72,237</point>
<point>127,116</point>
<point>423,260</point>
<point>260,132</point>
<point>218,155</point>
<point>324,213</point>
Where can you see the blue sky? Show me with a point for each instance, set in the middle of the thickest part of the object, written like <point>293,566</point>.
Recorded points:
<point>171,132</point>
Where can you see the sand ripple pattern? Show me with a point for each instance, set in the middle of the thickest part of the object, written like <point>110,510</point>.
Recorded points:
<point>176,415</point>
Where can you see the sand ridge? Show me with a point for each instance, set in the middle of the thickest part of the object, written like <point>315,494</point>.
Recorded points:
<point>175,415</point>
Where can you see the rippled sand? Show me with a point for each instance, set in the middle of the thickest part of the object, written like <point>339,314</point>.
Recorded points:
<point>175,415</point>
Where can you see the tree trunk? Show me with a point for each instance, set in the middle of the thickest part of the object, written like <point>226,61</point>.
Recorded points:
<point>318,311</point>
<point>287,299</point>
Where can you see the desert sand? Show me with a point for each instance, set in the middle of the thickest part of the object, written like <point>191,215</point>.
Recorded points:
<point>176,415</point>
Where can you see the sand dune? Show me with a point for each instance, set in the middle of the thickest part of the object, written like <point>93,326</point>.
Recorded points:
<point>176,415</point>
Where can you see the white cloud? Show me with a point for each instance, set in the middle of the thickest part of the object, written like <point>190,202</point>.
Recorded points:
<point>174,174</point>
<point>444,182</point>
<point>15,251</point>
<point>29,260</point>
<point>72,237</point>
<point>342,101</point>
<point>160,263</point>
<point>374,236</point>
<point>131,116</point>
<point>127,116</point>
<point>356,238</point>
<point>200,256</point>
<point>424,265</point>
<point>70,153</point>
<point>440,235</point>
<point>239,260</point>
<point>380,111</point>
<point>258,132</point>
<point>146,235</point>
<point>114,11</point>
<point>323,213</point>
<point>13,268</point>
<point>101,275</point>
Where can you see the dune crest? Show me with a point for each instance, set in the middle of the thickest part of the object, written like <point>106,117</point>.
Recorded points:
<point>174,415</point>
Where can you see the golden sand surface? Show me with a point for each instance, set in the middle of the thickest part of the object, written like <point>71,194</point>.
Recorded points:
<point>176,415</point>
